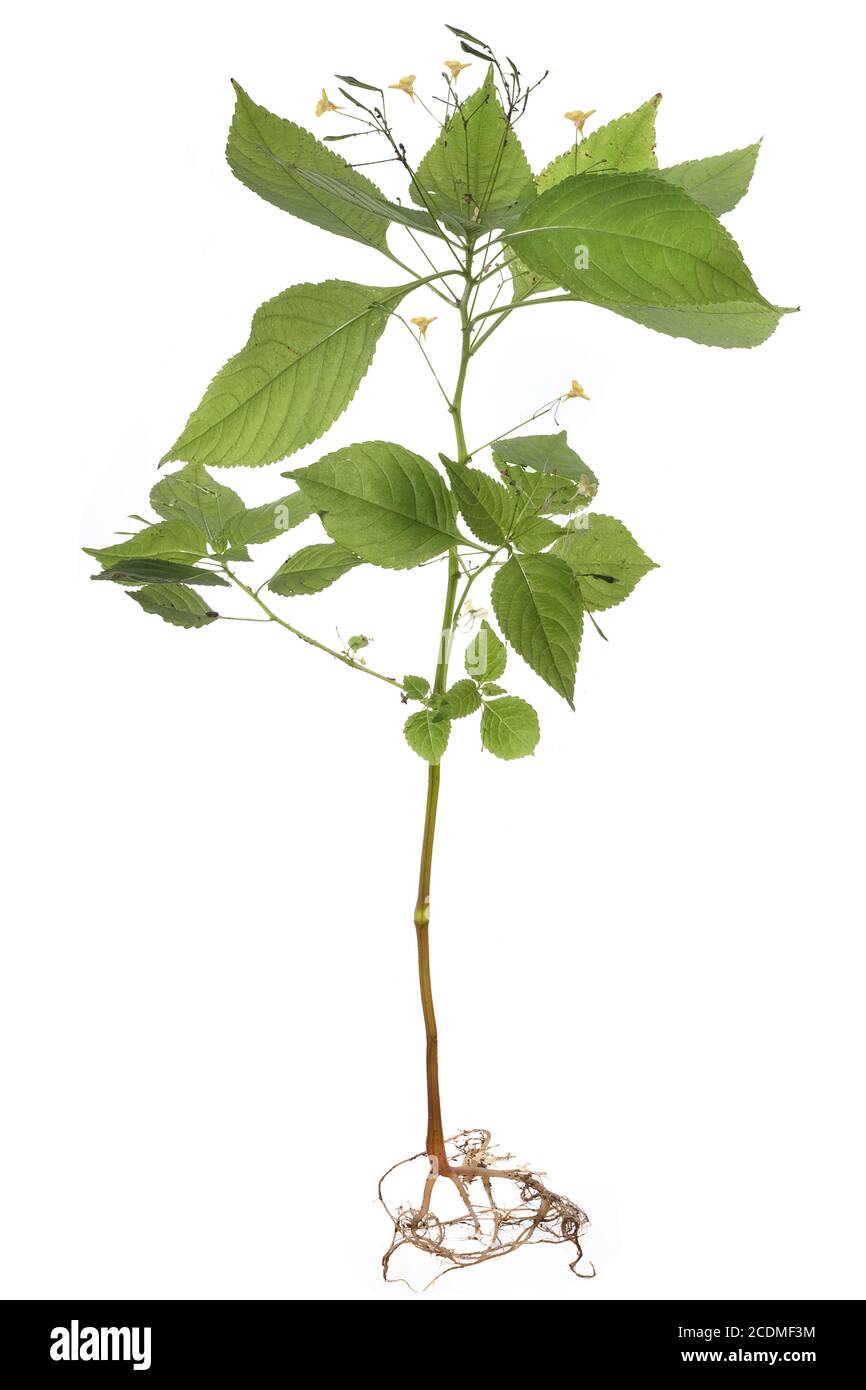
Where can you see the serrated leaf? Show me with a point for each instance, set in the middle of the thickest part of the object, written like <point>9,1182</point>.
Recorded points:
<point>548,473</point>
<point>625,145</point>
<point>650,249</point>
<point>462,699</point>
<point>193,495</point>
<point>491,688</point>
<point>375,203</point>
<point>256,525</point>
<point>416,687</point>
<point>485,657</point>
<point>308,350</point>
<point>538,605</point>
<point>312,569</point>
<point>382,502</point>
<point>720,181</point>
<point>485,504</point>
<point>175,604</point>
<point>605,558</point>
<point>270,156</point>
<point>537,535</point>
<point>427,736</point>
<point>476,169</point>
<point>509,727</point>
<point>141,570</point>
<point>179,541</point>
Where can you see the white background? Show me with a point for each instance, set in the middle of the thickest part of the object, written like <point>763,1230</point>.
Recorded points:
<point>646,941</point>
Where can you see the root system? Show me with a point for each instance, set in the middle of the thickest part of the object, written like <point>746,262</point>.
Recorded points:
<point>486,1207</point>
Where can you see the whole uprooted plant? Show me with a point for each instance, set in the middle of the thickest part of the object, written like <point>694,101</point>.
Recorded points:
<point>602,224</point>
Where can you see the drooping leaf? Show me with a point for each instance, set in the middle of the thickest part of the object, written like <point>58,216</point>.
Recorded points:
<point>256,525</point>
<point>175,604</point>
<point>462,699</point>
<point>625,145</point>
<point>308,350</point>
<point>382,502</point>
<point>416,687</point>
<point>179,541</point>
<point>486,655</point>
<point>605,558</point>
<point>312,569</point>
<point>141,570</point>
<point>650,247</point>
<point>509,727</point>
<point>271,156</point>
<point>485,504</point>
<point>476,170</point>
<point>538,605</point>
<point>426,735</point>
<point>720,181</point>
<point>193,495</point>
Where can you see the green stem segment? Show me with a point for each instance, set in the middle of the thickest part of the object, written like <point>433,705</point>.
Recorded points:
<point>435,1133</point>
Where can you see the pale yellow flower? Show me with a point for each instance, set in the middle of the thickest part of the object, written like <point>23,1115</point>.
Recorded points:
<point>586,487</point>
<point>423,324</point>
<point>580,118</point>
<point>325,104</point>
<point>405,85</point>
<point>455,68</point>
<point>576,392</point>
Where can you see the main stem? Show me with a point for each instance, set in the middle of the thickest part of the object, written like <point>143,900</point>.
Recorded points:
<point>435,1133</point>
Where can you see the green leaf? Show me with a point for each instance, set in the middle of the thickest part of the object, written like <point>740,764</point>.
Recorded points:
<point>193,495</point>
<point>476,163</point>
<point>509,727</point>
<point>427,736</point>
<point>372,202</point>
<point>718,325</point>
<point>649,246</point>
<point>382,502</point>
<point>625,146</point>
<point>491,688</point>
<point>271,156</point>
<point>606,559</point>
<point>537,536</point>
<point>416,687</point>
<point>135,570</point>
<point>550,475</point>
<point>179,541</point>
<point>175,604</point>
<point>358,643</point>
<point>259,524</point>
<point>537,602</point>
<point>312,569</point>
<point>308,350</point>
<point>485,505</point>
<point>720,181</point>
<point>486,655</point>
<point>462,699</point>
